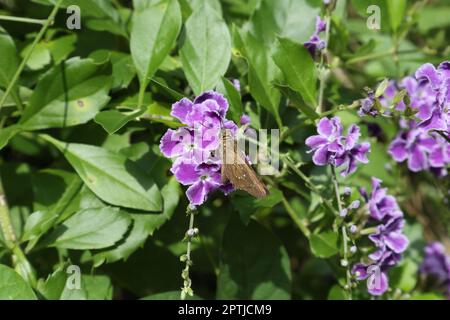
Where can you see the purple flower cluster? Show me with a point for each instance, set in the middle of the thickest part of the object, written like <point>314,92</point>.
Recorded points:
<point>193,147</point>
<point>436,265</point>
<point>429,95</point>
<point>422,150</point>
<point>388,239</point>
<point>330,146</point>
<point>315,43</point>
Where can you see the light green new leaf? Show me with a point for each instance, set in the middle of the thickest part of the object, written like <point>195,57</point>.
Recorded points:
<point>69,94</point>
<point>254,264</point>
<point>91,229</point>
<point>154,33</point>
<point>206,51</point>
<point>298,68</point>
<point>13,287</point>
<point>324,245</point>
<point>111,176</point>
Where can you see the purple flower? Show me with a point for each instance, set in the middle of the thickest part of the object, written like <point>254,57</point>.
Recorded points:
<point>245,119</point>
<point>436,265</point>
<point>202,179</point>
<point>389,237</point>
<point>381,204</point>
<point>315,44</point>
<point>377,283</point>
<point>237,84</point>
<point>194,147</point>
<point>331,147</point>
<point>421,149</point>
<point>367,106</point>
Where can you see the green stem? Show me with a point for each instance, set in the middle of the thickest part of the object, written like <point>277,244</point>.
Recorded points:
<point>141,96</point>
<point>377,55</point>
<point>308,183</point>
<point>38,38</point>
<point>22,19</point>
<point>187,282</point>
<point>299,222</point>
<point>5,222</point>
<point>323,55</point>
<point>345,262</point>
<point>20,261</point>
<point>354,105</point>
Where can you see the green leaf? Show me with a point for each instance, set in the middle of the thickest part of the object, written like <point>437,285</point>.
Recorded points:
<point>297,100</point>
<point>8,63</point>
<point>111,176</point>
<point>206,51</point>
<point>7,133</point>
<point>262,71</point>
<point>154,33</point>
<point>298,68</point>
<point>38,223</point>
<point>324,245</point>
<point>234,99</point>
<point>396,11</point>
<point>253,264</point>
<point>113,120</point>
<point>404,276</point>
<point>68,94</point>
<point>337,293</point>
<point>98,287</point>
<point>433,17</point>
<point>13,287</point>
<point>248,205</point>
<point>143,226</point>
<point>40,56</point>
<point>90,229</point>
<point>123,70</point>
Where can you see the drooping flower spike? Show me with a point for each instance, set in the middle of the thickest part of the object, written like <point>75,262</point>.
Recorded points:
<point>389,240</point>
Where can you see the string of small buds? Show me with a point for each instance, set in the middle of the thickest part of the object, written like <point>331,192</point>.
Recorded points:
<point>191,233</point>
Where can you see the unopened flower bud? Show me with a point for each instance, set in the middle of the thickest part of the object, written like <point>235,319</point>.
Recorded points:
<point>347,191</point>
<point>343,213</point>
<point>192,232</point>
<point>354,205</point>
<point>353,228</point>
<point>344,263</point>
<point>353,249</point>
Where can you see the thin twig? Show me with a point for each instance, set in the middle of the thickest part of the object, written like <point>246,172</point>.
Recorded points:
<point>22,19</point>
